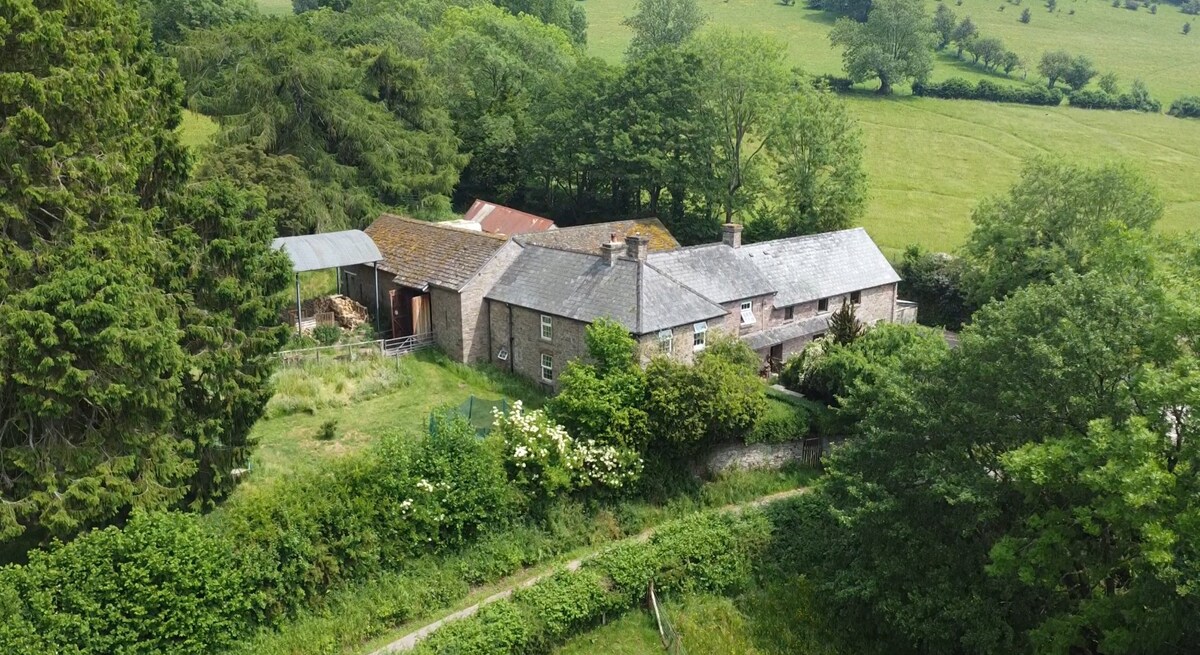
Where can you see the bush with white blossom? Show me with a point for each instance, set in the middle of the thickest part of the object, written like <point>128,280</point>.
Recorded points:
<point>546,461</point>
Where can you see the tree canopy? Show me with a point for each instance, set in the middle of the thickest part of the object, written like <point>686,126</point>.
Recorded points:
<point>662,23</point>
<point>894,44</point>
<point>96,355</point>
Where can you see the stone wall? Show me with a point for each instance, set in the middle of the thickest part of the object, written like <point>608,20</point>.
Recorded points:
<point>740,456</point>
<point>446,308</point>
<point>473,340</point>
<point>761,306</point>
<point>525,346</point>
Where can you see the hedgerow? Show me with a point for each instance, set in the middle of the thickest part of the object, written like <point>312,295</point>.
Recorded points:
<point>1095,99</point>
<point>1185,107</point>
<point>959,89</point>
<point>710,552</point>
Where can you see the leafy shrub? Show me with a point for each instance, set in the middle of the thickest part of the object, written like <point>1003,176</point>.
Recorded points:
<point>838,84</point>
<point>327,335</point>
<point>959,89</point>
<point>327,431</point>
<point>545,461</point>
<point>1133,5</point>
<point>801,373</point>
<point>1095,99</point>
<point>934,282</point>
<point>713,399</point>
<point>781,422</point>
<point>1191,7</point>
<point>162,584</point>
<point>1185,107</point>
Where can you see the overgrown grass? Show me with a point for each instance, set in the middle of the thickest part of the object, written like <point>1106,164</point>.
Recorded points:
<point>196,129</point>
<point>362,617</point>
<point>365,399</point>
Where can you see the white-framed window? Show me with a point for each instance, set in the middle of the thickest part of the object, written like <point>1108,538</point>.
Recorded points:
<point>747,313</point>
<point>547,328</point>
<point>666,340</point>
<point>823,305</point>
<point>855,297</point>
<point>789,313</point>
<point>699,334</point>
<point>547,367</point>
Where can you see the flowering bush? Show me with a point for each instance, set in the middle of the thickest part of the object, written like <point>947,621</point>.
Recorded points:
<point>544,460</point>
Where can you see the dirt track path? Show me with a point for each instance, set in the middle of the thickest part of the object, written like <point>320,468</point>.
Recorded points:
<point>409,641</point>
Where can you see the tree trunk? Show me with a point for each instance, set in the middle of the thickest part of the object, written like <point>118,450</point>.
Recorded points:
<point>885,86</point>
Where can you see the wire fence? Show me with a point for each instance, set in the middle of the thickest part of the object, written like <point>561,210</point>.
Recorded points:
<point>672,641</point>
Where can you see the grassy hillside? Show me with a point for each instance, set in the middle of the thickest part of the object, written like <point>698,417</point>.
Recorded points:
<point>930,161</point>
<point>1150,45</point>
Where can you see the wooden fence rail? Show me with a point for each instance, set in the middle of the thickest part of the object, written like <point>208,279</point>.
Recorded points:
<point>361,350</point>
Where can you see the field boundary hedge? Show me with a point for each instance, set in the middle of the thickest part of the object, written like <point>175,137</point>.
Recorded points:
<point>956,88</point>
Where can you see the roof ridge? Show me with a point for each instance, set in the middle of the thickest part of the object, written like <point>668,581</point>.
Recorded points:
<point>440,225</point>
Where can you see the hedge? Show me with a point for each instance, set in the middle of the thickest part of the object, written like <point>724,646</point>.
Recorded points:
<point>781,422</point>
<point>180,583</point>
<point>957,88</point>
<point>1185,107</point>
<point>1094,99</point>
<point>709,552</point>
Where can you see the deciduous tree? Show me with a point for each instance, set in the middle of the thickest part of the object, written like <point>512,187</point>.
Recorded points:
<point>662,23</point>
<point>944,24</point>
<point>1054,65</point>
<point>894,45</point>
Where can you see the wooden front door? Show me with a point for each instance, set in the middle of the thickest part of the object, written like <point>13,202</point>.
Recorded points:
<point>395,305</point>
<point>422,320</point>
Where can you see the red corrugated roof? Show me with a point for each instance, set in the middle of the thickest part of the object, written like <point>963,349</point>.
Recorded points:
<point>498,219</point>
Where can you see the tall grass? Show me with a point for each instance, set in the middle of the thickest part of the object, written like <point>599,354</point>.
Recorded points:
<point>311,387</point>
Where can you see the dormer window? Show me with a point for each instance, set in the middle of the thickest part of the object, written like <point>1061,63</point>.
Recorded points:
<point>747,313</point>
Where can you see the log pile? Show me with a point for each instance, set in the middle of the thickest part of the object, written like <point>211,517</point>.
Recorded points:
<point>347,313</point>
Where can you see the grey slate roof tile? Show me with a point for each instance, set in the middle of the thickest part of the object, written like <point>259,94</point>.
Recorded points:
<point>715,271</point>
<point>785,333</point>
<point>584,287</point>
<point>820,265</point>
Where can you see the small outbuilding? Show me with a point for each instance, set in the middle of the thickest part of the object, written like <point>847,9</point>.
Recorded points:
<point>337,250</point>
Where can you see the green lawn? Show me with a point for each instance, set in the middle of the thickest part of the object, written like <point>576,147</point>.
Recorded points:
<point>424,382</point>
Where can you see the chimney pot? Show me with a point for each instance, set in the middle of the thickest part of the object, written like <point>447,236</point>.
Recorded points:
<point>637,246</point>
<point>731,235</point>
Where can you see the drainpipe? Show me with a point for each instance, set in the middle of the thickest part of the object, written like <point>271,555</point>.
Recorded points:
<point>512,354</point>
<point>375,265</point>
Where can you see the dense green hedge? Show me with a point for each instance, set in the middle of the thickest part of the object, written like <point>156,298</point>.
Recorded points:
<point>1185,107</point>
<point>957,88</point>
<point>1096,99</point>
<point>174,583</point>
<point>781,422</point>
<point>711,552</point>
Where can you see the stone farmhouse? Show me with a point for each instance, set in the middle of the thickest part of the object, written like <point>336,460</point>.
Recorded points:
<point>524,302</point>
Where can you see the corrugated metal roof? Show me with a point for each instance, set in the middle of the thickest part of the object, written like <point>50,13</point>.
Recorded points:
<point>419,253</point>
<point>314,252</point>
<point>714,271</point>
<point>820,265</point>
<point>498,219</point>
<point>585,288</point>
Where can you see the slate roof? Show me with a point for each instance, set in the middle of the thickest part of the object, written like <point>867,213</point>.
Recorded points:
<point>498,219</point>
<point>819,265</point>
<point>584,287</point>
<point>588,238</point>
<point>785,333</point>
<point>715,271</point>
<point>420,253</point>
<point>314,252</point>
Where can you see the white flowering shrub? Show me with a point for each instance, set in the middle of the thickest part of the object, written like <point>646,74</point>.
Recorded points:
<point>546,461</point>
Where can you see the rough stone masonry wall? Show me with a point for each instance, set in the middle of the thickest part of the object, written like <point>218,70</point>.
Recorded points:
<point>445,308</point>
<point>568,341</point>
<point>473,339</point>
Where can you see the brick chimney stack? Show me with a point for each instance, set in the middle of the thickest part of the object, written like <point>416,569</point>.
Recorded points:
<point>637,247</point>
<point>731,235</point>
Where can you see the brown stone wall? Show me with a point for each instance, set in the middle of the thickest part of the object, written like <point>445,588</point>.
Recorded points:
<point>446,309</point>
<point>876,304</point>
<point>526,346</point>
<point>681,341</point>
<point>473,337</point>
<point>732,323</point>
